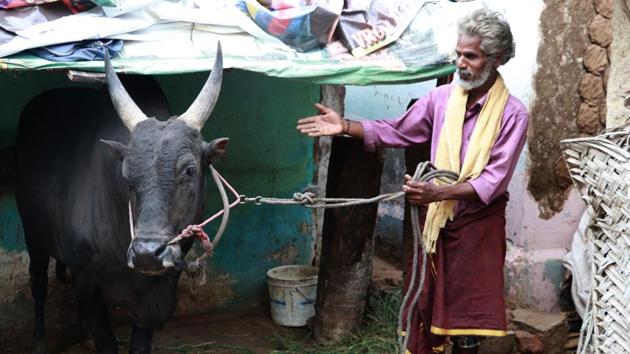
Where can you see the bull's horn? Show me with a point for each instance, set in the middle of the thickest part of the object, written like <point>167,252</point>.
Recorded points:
<point>126,108</point>
<point>200,110</point>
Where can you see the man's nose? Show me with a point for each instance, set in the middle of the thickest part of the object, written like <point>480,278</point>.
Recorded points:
<point>460,62</point>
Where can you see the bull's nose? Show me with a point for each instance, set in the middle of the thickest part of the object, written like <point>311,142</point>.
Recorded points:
<point>151,255</point>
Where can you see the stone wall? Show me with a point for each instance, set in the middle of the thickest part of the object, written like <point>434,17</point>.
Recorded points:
<point>570,88</point>
<point>591,117</point>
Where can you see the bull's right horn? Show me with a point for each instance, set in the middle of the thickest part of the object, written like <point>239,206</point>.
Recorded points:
<point>126,108</point>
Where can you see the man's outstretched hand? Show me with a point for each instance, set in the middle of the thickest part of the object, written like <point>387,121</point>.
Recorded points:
<point>326,123</point>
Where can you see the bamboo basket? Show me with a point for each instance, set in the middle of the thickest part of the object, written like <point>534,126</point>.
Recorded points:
<point>600,169</point>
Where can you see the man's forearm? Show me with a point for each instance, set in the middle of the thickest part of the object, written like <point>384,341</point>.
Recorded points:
<point>424,193</point>
<point>460,191</point>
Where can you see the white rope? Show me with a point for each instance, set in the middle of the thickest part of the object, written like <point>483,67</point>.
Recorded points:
<point>226,206</point>
<point>131,222</point>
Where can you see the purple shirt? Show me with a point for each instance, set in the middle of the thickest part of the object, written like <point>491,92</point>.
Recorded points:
<point>423,122</point>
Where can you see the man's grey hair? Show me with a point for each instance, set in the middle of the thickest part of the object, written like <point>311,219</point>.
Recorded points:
<point>496,37</point>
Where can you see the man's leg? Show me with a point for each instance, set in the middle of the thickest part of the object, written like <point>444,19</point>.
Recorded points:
<point>465,344</point>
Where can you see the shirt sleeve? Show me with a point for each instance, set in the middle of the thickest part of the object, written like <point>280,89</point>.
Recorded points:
<point>494,179</point>
<point>413,127</point>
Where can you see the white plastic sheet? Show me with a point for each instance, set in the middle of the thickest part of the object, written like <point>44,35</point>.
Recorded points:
<point>578,262</point>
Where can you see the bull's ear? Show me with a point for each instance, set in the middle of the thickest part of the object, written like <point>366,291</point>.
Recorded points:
<point>215,149</point>
<point>117,148</point>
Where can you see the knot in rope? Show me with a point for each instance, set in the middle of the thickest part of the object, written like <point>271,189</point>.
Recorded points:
<point>304,198</point>
<point>196,231</point>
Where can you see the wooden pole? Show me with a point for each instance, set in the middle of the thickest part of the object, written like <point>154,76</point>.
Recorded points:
<point>331,96</point>
<point>345,268</point>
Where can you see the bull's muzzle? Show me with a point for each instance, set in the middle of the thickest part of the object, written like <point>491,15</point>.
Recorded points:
<point>152,255</point>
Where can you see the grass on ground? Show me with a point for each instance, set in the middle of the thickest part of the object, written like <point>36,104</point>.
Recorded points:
<point>376,335</point>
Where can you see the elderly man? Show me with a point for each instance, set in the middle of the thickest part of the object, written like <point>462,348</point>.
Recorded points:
<point>476,128</point>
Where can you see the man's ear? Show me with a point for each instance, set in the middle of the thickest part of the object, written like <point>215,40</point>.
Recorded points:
<point>215,149</point>
<point>501,59</point>
<point>115,147</point>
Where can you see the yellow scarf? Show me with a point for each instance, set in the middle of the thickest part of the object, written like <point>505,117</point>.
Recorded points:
<point>449,147</point>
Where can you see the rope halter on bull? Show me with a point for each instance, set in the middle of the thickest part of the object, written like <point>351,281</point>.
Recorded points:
<point>425,171</point>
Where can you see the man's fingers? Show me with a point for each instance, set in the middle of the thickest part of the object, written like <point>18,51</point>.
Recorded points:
<point>320,107</point>
<point>410,189</point>
<point>306,125</point>
<point>310,119</point>
<point>414,184</point>
<point>308,129</point>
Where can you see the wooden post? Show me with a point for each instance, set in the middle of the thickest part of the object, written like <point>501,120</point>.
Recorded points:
<point>333,97</point>
<point>345,268</point>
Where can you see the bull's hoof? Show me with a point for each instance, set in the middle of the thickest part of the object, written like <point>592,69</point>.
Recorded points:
<point>88,343</point>
<point>39,347</point>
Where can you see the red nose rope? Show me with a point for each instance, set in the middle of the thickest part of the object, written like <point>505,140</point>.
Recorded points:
<point>195,269</point>
<point>196,231</point>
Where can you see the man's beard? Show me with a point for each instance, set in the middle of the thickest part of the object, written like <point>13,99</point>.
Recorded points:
<point>474,83</point>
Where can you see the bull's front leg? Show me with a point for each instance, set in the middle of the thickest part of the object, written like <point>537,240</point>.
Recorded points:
<point>94,314</point>
<point>140,340</point>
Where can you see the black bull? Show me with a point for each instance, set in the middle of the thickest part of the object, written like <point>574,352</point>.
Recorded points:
<point>80,164</point>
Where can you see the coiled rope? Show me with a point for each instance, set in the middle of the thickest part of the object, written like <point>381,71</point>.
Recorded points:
<point>421,176</point>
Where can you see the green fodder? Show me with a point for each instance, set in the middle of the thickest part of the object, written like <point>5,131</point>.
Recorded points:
<point>375,335</point>
<point>205,348</point>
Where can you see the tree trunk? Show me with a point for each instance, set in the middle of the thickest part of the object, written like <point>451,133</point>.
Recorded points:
<point>345,268</point>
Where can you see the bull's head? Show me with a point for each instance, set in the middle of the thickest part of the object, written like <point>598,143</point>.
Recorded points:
<point>163,165</point>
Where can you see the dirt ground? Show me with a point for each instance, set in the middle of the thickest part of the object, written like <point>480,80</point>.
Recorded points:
<point>248,331</point>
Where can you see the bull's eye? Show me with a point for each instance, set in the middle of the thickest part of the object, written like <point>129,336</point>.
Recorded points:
<point>191,171</point>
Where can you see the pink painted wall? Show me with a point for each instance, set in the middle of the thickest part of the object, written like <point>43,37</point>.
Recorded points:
<point>534,273</point>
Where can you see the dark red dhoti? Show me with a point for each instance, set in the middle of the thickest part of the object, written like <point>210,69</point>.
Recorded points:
<point>463,290</point>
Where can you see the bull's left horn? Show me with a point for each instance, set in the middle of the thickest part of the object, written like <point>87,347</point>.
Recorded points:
<point>200,110</point>
<point>126,108</point>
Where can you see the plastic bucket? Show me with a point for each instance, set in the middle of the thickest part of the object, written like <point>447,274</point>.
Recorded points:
<point>292,292</point>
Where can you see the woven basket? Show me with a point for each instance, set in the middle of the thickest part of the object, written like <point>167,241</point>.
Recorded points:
<point>600,169</point>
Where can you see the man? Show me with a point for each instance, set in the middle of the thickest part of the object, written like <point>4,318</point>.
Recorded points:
<point>476,128</point>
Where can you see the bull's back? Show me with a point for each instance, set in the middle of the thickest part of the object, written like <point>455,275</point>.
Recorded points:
<point>54,147</point>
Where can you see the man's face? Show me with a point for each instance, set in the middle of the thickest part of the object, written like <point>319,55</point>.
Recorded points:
<point>474,68</point>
